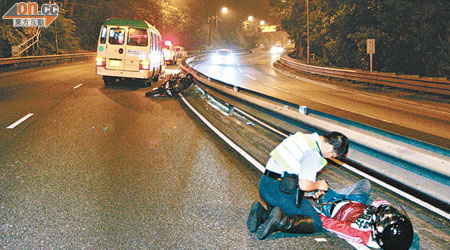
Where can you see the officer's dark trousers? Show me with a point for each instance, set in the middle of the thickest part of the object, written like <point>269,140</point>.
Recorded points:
<point>269,190</point>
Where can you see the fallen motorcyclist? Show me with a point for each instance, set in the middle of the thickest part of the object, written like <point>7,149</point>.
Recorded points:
<point>345,213</point>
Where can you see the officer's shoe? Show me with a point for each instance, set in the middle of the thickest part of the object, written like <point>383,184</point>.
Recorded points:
<point>272,224</point>
<point>278,221</point>
<point>258,214</point>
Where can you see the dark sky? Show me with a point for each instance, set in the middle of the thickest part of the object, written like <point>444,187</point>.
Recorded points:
<point>260,9</point>
<point>239,9</point>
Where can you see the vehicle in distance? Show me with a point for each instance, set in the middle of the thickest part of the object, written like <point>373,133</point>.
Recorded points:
<point>129,48</point>
<point>223,57</point>
<point>181,52</point>
<point>170,55</point>
<point>277,49</point>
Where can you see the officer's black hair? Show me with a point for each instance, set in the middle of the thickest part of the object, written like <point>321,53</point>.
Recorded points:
<point>338,141</point>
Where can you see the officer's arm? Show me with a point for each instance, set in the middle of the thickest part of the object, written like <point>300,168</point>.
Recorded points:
<point>310,163</point>
<point>308,185</point>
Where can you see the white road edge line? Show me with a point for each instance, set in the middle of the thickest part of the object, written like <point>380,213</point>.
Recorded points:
<point>324,85</point>
<point>352,92</point>
<point>275,87</point>
<point>399,192</point>
<point>79,85</point>
<point>239,68</point>
<point>225,138</point>
<point>19,121</point>
<point>282,72</point>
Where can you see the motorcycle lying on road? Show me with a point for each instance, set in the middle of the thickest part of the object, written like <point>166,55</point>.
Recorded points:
<point>176,84</point>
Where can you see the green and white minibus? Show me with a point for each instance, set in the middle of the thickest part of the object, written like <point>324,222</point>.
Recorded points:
<point>129,48</point>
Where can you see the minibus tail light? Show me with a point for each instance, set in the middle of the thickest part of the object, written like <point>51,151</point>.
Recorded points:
<point>100,62</point>
<point>145,64</point>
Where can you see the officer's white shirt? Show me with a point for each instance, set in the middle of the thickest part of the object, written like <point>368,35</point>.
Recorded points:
<point>310,162</point>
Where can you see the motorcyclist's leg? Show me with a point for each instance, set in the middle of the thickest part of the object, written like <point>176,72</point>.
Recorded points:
<point>358,191</point>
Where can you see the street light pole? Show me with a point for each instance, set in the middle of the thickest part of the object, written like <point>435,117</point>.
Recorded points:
<point>307,31</point>
<point>210,27</point>
<point>224,10</point>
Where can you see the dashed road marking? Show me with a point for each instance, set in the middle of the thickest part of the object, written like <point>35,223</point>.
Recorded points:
<point>79,85</point>
<point>19,121</point>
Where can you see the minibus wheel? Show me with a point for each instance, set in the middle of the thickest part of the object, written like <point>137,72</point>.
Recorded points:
<point>156,78</point>
<point>109,80</point>
<point>147,82</point>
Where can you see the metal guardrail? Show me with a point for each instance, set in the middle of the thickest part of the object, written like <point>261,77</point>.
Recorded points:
<point>429,85</point>
<point>26,59</point>
<point>421,170</point>
<point>16,50</point>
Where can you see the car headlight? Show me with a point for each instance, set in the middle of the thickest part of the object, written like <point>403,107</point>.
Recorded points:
<point>276,50</point>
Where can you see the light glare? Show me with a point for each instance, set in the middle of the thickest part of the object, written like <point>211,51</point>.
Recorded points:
<point>224,10</point>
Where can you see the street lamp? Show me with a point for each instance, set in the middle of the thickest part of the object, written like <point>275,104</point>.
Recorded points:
<point>224,10</point>
<point>250,18</point>
<point>261,22</point>
<point>307,31</point>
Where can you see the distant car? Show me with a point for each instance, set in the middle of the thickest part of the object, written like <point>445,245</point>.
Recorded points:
<point>181,52</point>
<point>170,55</point>
<point>223,57</point>
<point>277,49</point>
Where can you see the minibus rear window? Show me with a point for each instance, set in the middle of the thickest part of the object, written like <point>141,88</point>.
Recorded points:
<point>103,35</point>
<point>116,36</point>
<point>137,37</point>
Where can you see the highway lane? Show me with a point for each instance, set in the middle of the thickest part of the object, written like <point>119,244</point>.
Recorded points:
<point>107,168</point>
<point>101,167</point>
<point>424,120</point>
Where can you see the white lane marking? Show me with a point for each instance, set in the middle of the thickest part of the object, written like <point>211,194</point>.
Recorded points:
<point>251,77</point>
<point>79,85</point>
<point>19,121</point>
<point>320,239</point>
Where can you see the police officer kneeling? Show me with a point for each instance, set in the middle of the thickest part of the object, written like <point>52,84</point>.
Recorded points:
<point>297,159</point>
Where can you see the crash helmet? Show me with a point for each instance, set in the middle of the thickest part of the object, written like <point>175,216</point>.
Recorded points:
<point>391,228</point>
